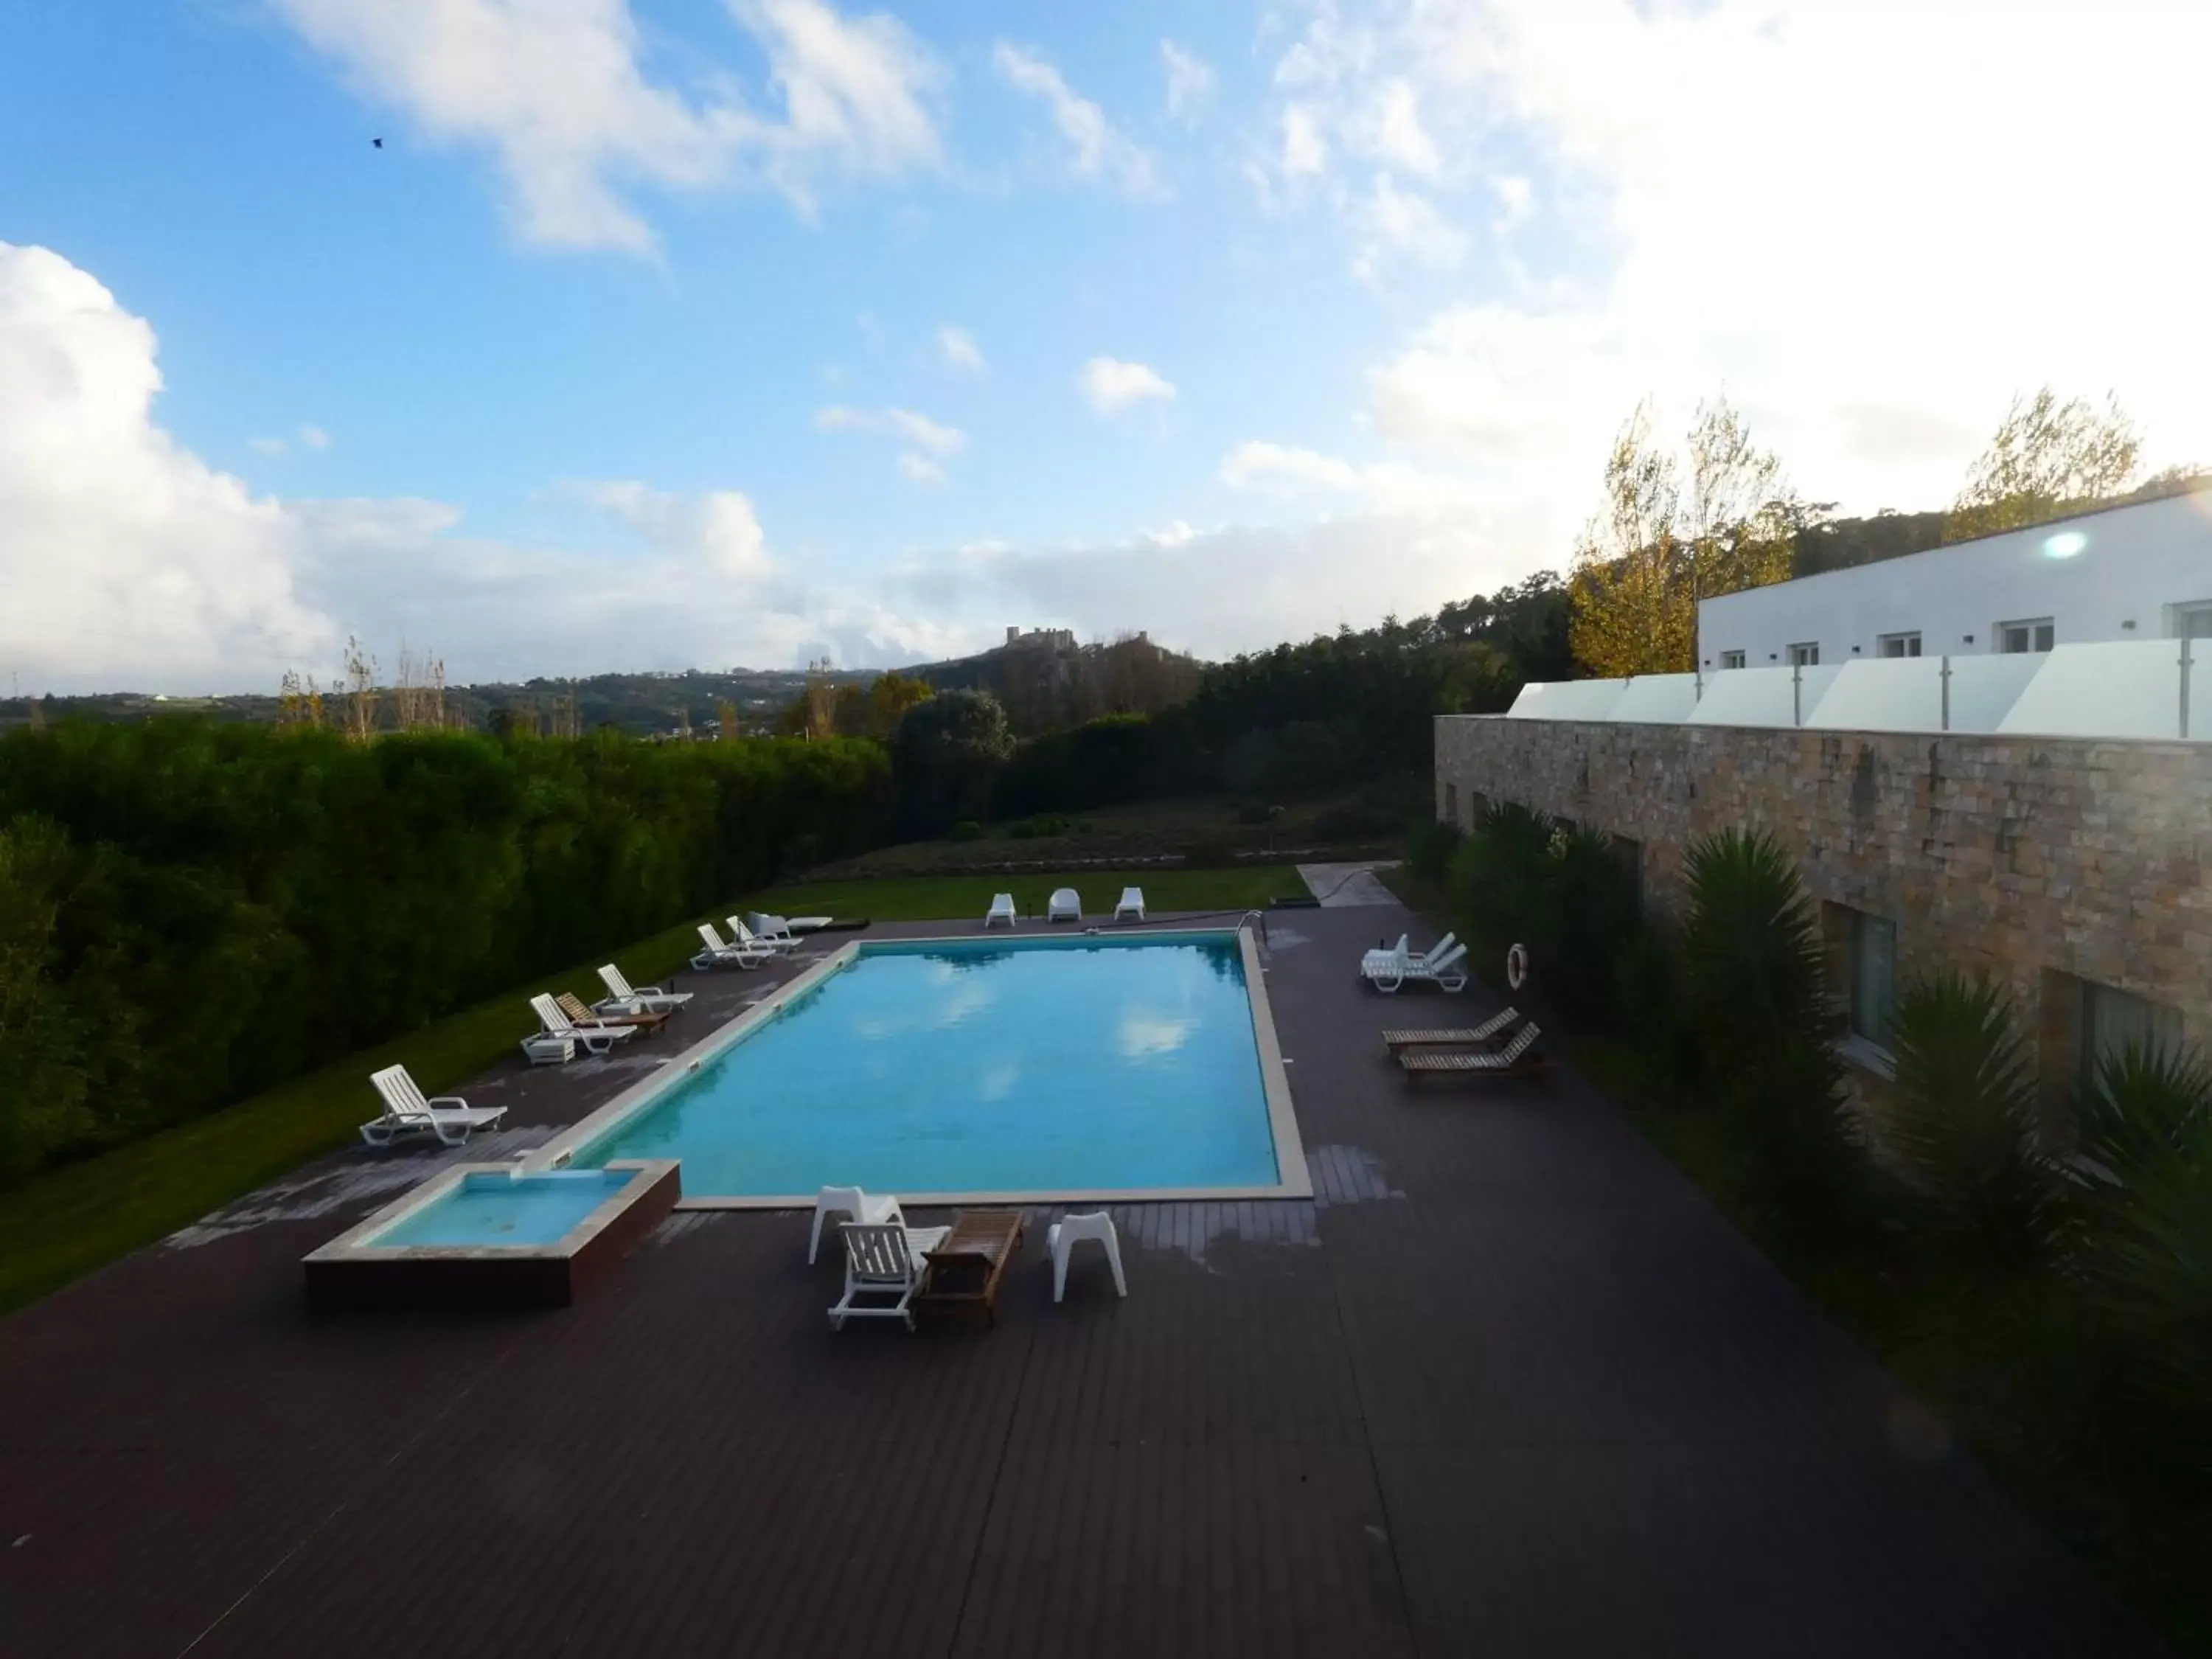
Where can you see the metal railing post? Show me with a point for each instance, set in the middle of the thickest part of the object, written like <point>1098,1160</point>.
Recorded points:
<point>1946,692</point>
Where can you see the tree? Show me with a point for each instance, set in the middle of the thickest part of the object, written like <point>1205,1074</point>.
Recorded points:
<point>944,756</point>
<point>1655,548</point>
<point>889,697</point>
<point>2047,459</point>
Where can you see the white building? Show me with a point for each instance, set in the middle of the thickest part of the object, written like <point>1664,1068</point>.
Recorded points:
<point>2142,572</point>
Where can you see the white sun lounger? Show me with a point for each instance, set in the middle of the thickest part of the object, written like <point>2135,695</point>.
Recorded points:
<point>885,1262</point>
<point>449,1117</point>
<point>1447,972</point>
<point>856,1207</point>
<point>1131,904</point>
<point>782,944</point>
<point>597,1038</point>
<point>623,998</point>
<point>719,953</point>
<point>1388,969</point>
<point>771,930</point>
<point>1065,905</point>
<point>1002,909</point>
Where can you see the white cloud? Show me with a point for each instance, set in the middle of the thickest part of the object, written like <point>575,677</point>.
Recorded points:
<point>1403,222</point>
<point>1190,77</point>
<point>558,94</point>
<point>718,529</point>
<point>308,437</point>
<point>125,560</point>
<point>1113,385</point>
<point>1878,361</point>
<point>1382,487</point>
<point>959,352</point>
<point>919,469</point>
<point>124,557</point>
<point>1174,533</point>
<point>1099,149</point>
<point>902,423</point>
<point>1305,151</point>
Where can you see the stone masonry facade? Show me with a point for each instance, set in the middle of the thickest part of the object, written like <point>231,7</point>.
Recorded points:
<point>2049,863</point>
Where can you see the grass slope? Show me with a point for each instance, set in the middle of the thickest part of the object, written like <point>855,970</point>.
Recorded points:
<point>63,1225</point>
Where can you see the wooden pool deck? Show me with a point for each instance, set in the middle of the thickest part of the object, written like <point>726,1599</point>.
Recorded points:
<point>1505,1385</point>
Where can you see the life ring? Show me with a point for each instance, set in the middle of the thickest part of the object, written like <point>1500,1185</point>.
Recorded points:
<point>1516,966</point>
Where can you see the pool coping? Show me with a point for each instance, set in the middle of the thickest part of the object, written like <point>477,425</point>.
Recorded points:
<point>1293,1180</point>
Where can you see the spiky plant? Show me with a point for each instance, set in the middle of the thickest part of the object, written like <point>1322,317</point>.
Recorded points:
<point>2142,1239</point>
<point>1960,1124</point>
<point>1754,985</point>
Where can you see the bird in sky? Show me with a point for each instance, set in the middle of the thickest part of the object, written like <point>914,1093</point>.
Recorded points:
<point>379,143</point>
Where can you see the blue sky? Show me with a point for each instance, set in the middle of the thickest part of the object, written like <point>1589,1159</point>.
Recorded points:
<point>675,332</point>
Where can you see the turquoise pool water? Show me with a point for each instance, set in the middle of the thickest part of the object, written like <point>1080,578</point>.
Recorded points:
<point>1042,1066</point>
<point>495,1209</point>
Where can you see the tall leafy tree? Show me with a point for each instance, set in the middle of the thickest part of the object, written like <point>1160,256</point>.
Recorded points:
<point>1663,539</point>
<point>2047,458</point>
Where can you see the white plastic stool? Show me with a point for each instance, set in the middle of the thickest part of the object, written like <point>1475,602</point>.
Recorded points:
<point>856,1206</point>
<point>1070,1230</point>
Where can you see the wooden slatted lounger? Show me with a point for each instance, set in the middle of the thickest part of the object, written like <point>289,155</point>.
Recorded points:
<point>1518,1058</point>
<point>964,1271</point>
<point>1458,1037</point>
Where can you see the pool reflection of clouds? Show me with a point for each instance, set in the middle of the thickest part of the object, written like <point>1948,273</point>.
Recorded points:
<point>1145,1033</point>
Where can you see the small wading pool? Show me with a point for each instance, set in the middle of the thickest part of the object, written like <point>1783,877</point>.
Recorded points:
<point>493,1235</point>
<point>1076,1065</point>
<point>487,1209</point>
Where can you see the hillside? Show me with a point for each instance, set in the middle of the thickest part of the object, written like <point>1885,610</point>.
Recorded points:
<point>1047,681</point>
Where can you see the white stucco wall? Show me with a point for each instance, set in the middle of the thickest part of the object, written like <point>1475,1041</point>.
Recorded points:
<point>2132,564</point>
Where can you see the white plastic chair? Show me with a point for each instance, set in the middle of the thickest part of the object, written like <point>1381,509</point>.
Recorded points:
<point>1002,909</point>
<point>1067,1233</point>
<point>856,1206</point>
<point>882,1261</point>
<point>749,941</point>
<point>597,1039</point>
<point>1131,904</point>
<point>623,998</point>
<point>449,1117</point>
<point>1065,905</point>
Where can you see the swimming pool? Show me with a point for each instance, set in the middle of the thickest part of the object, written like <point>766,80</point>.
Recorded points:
<point>1076,1065</point>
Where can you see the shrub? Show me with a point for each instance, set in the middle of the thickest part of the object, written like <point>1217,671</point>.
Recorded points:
<point>1430,844</point>
<point>2142,1239</point>
<point>1753,984</point>
<point>1210,851</point>
<point>969,829</point>
<point>1959,1121</point>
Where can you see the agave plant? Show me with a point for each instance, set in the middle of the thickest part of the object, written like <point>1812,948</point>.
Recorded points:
<point>1960,1124</point>
<point>2143,1239</point>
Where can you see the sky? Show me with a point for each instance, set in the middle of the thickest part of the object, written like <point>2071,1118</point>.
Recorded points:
<point>661,334</point>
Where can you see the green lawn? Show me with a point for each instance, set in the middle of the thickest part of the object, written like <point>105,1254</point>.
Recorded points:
<point>61,1225</point>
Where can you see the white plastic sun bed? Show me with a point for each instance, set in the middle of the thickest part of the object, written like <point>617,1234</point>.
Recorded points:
<point>449,1117</point>
<point>623,998</point>
<point>1387,970</point>
<point>597,1038</point>
<point>781,943</point>
<point>720,953</point>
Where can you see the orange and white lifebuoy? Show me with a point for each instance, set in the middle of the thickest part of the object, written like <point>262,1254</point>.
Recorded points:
<point>1516,966</point>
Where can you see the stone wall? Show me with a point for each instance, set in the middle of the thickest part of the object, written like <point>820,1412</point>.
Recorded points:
<point>2029,859</point>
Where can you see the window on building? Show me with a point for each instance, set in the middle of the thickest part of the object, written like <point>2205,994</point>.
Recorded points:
<point>1451,803</point>
<point>1805,656</point>
<point>1873,993</point>
<point>2190,621</point>
<point>1731,659</point>
<point>2036,634</point>
<point>2112,1020</point>
<point>1900,645</point>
